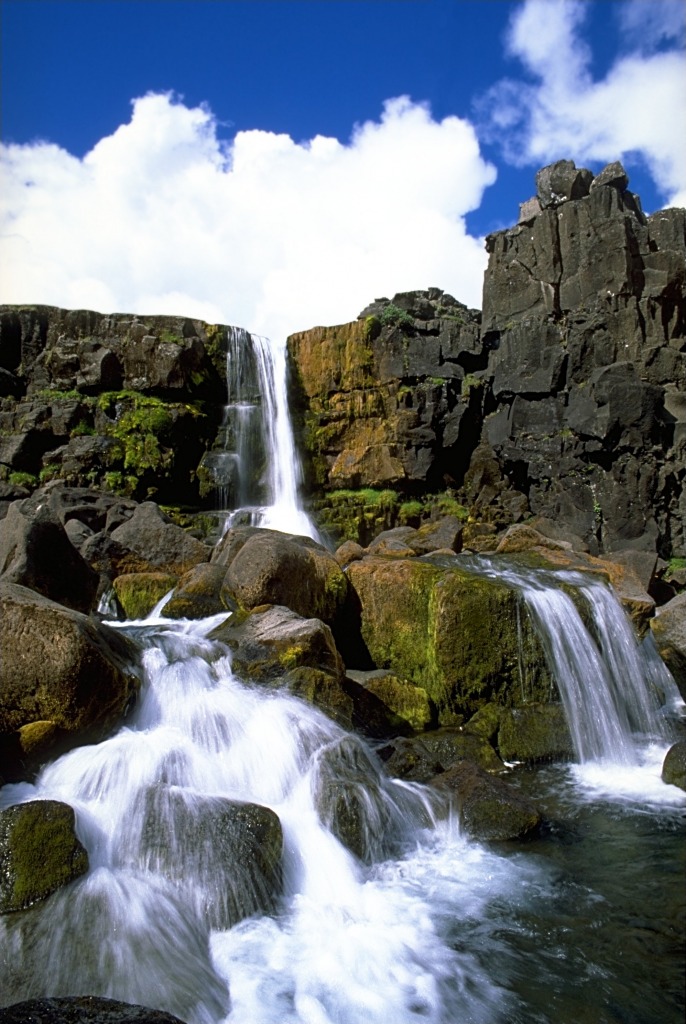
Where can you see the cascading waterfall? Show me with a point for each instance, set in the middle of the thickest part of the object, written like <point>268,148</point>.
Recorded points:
<point>256,470</point>
<point>417,925</point>
<point>612,689</point>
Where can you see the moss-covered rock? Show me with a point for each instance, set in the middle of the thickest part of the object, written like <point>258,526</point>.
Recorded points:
<point>489,809</point>
<point>463,638</point>
<point>674,765</point>
<point>200,592</point>
<point>139,592</point>
<point>537,732</point>
<point>386,705</point>
<point>39,852</point>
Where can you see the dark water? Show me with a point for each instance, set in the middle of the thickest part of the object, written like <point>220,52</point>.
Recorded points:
<point>596,929</point>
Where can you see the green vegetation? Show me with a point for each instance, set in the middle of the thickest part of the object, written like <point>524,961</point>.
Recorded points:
<point>19,479</point>
<point>469,383</point>
<point>392,315</point>
<point>372,328</point>
<point>170,338</point>
<point>82,429</point>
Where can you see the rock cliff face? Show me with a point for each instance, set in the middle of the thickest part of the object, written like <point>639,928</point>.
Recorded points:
<point>566,398</point>
<point>122,402</point>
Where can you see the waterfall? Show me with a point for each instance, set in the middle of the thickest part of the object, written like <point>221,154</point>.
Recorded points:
<point>157,919</point>
<point>256,470</point>
<point>611,688</point>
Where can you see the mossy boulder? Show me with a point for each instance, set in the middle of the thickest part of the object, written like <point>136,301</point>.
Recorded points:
<point>39,852</point>
<point>139,592</point>
<point>464,638</point>
<point>674,765</point>
<point>420,758</point>
<point>489,809</point>
<point>200,592</point>
<point>537,732</point>
<point>385,705</point>
<point>268,567</point>
<point>275,646</point>
<point>58,666</point>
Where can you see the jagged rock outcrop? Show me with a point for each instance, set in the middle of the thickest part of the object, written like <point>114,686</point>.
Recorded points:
<point>129,403</point>
<point>566,398</point>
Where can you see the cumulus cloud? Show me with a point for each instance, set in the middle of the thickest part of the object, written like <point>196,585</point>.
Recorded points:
<point>262,232</point>
<point>561,111</point>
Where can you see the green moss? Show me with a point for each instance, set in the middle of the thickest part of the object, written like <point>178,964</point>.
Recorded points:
<point>410,510</point>
<point>19,479</point>
<point>39,852</point>
<point>139,592</point>
<point>54,395</point>
<point>82,429</point>
<point>49,472</point>
<point>372,328</point>
<point>469,383</point>
<point>392,315</point>
<point>170,338</point>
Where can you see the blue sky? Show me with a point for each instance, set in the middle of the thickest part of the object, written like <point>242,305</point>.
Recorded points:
<point>275,163</point>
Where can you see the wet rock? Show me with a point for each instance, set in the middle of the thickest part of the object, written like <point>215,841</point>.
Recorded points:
<point>35,552</point>
<point>39,852</point>
<point>83,1010</point>
<point>351,800</point>
<point>267,567</point>
<point>59,667</point>
<point>444,629</point>
<point>674,765</point>
<point>489,809</point>
<point>139,592</point>
<point>227,853</point>
<point>420,758</point>
<point>669,630</point>
<point>536,732</point>
<point>385,705</point>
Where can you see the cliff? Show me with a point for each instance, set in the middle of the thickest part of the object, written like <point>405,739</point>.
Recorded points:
<point>565,398</point>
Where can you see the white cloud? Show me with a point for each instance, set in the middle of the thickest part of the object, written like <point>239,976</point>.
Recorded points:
<point>634,112</point>
<point>264,232</point>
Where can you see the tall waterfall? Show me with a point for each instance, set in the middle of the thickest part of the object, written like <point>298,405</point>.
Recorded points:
<point>256,471</point>
<point>255,467</point>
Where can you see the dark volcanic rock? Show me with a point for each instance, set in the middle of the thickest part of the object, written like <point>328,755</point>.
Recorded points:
<point>83,1010</point>
<point>674,766</point>
<point>36,552</point>
<point>489,808</point>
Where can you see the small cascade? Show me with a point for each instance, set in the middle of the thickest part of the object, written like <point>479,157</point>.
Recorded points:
<point>255,468</point>
<point>611,689</point>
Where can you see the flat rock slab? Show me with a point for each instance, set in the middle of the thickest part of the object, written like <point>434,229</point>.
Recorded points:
<point>82,1010</point>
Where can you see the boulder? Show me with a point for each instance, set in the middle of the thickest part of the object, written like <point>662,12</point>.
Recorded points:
<point>275,646</point>
<point>385,705</point>
<point>268,567</point>
<point>351,799</point>
<point>36,552</point>
<point>536,732</point>
<point>449,631</point>
<point>227,853</point>
<point>420,758</point>
<point>669,630</point>
<point>39,852</point>
<point>83,1010</point>
<point>139,592</point>
<point>59,668</point>
<point>674,765</point>
<point>157,543</point>
<point>200,592</point>
<point>489,809</point>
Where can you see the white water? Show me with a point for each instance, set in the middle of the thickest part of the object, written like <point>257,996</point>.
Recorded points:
<point>257,472</point>
<point>356,938</point>
<point>615,691</point>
